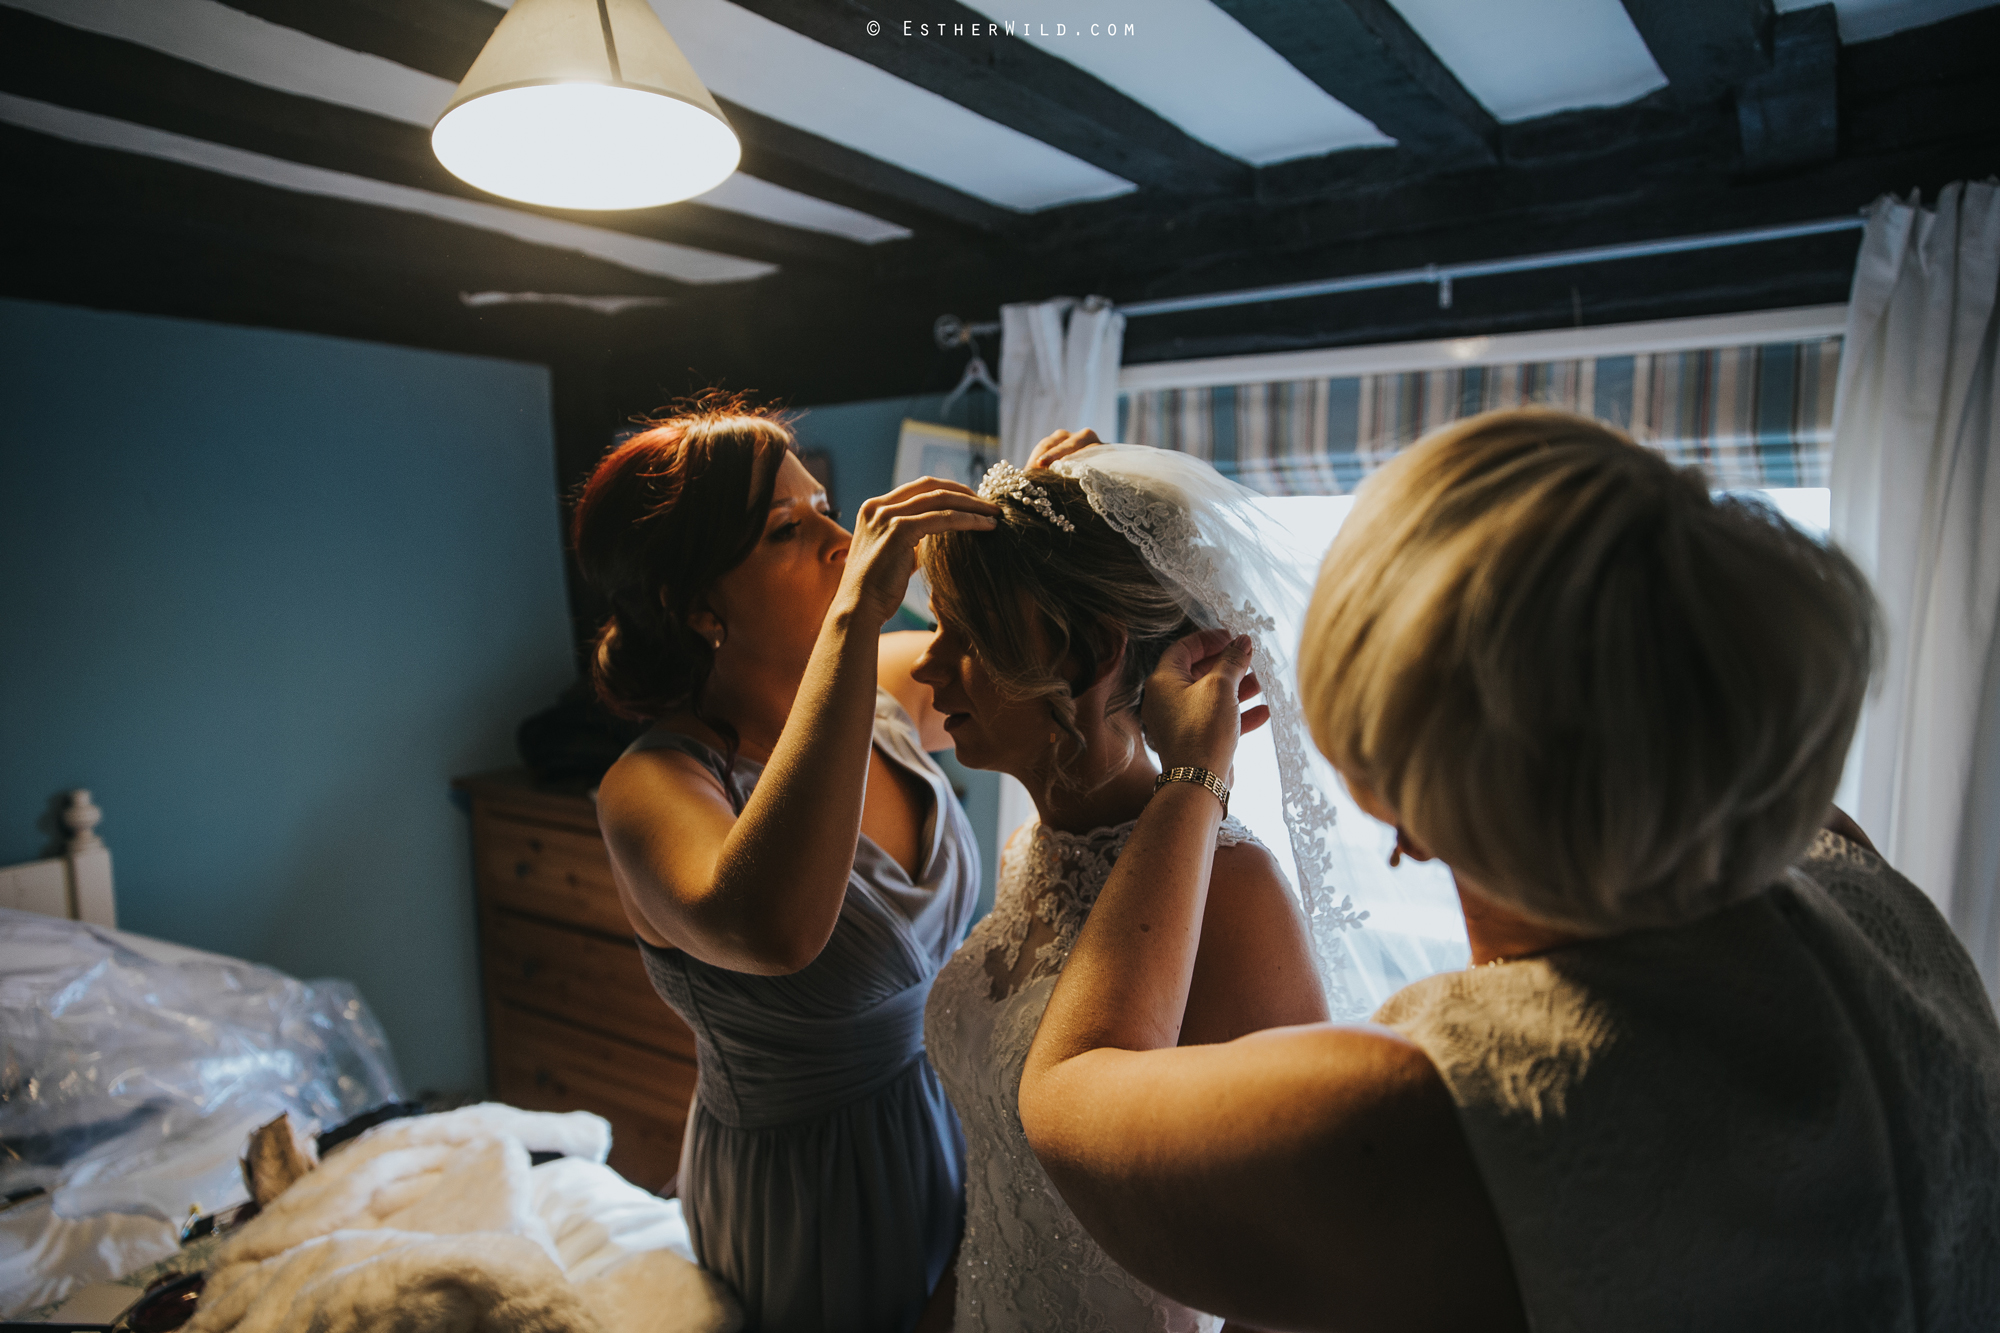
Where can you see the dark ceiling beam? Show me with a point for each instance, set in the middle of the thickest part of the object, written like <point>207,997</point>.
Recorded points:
<point>439,37</point>
<point>1706,48</point>
<point>120,231</point>
<point>55,63</point>
<point>1365,198</point>
<point>1016,84</point>
<point>443,37</point>
<point>1365,54</point>
<point>1923,85</point>
<point>1789,116</point>
<point>60,179</point>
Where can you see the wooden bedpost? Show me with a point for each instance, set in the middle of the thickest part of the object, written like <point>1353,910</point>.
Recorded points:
<point>91,897</point>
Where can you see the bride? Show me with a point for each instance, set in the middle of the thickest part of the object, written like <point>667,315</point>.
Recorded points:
<point>1047,627</point>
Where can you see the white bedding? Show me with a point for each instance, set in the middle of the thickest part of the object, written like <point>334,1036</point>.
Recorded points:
<point>439,1223</point>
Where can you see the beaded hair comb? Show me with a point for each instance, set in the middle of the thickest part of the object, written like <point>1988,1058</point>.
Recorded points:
<point>1004,479</point>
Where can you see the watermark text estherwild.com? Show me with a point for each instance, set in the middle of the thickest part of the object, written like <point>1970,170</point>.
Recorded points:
<point>1010,28</point>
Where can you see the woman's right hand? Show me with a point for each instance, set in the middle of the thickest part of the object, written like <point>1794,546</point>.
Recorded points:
<point>883,554</point>
<point>1058,445</point>
<point>1190,708</point>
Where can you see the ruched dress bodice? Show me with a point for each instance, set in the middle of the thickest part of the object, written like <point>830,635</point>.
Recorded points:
<point>822,1173</point>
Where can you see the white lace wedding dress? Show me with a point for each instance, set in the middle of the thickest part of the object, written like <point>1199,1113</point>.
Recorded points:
<point>1026,1265</point>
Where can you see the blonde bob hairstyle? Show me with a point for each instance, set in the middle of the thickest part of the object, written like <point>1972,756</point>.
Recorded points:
<point>1046,610</point>
<point>1610,699</point>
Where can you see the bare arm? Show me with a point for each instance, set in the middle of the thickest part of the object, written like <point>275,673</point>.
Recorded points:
<point>899,653</point>
<point>1303,1178</point>
<point>760,892</point>
<point>1253,967</point>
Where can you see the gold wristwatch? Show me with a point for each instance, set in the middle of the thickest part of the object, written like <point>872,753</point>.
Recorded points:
<point>1200,777</point>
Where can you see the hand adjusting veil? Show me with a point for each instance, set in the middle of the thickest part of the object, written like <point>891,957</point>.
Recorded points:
<point>1201,535</point>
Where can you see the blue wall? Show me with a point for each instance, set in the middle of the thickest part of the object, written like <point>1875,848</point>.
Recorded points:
<point>862,439</point>
<point>266,594</point>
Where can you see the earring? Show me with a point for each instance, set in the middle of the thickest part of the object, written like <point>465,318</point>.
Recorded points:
<point>716,643</point>
<point>1396,856</point>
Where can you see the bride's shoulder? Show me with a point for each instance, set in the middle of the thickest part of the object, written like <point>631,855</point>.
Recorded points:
<point>1233,832</point>
<point>1244,865</point>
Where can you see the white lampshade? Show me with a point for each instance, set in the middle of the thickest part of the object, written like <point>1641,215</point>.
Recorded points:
<point>585,104</point>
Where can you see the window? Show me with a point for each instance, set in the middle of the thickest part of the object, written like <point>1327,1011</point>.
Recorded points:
<point>1415,926</point>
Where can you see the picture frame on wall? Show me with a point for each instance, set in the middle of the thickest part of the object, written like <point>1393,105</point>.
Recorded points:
<point>926,449</point>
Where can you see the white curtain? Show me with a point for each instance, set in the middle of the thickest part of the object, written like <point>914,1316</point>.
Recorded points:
<point>1916,501</point>
<point>1058,373</point>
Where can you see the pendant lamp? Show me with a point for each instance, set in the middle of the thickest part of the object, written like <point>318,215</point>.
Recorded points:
<point>585,104</point>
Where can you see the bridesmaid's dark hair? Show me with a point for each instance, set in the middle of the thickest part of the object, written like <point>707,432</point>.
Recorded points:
<point>665,515</point>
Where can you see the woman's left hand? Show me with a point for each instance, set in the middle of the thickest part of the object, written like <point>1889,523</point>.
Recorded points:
<point>1190,709</point>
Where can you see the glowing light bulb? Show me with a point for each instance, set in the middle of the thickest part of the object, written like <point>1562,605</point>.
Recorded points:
<point>585,145</point>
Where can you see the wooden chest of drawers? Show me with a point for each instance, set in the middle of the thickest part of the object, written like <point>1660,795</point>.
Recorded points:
<point>572,1023</point>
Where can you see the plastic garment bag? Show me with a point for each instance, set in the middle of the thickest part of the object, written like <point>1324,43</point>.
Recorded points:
<point>131,1073</point>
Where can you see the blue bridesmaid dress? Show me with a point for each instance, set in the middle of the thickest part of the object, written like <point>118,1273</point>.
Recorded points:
<point>823,1169</point>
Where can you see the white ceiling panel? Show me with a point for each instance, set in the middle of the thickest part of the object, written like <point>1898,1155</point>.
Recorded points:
<point>1865,20</point>
<point>638,253</point>
<point>775,71</point>
<point>1527,58</point>
<point>1197,67</point>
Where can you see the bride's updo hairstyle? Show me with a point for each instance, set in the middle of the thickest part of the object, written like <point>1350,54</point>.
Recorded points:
<point>1610,698</point>
<point>665,515</point>
<point>1088,591</point>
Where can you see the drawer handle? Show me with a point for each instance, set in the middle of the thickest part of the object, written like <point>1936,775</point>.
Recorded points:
<point>534,844</point>
<point>522,869</point>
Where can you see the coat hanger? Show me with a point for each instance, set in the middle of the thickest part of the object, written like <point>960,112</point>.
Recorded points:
<point>975,374</point>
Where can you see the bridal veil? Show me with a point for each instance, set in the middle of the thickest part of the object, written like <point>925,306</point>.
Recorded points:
<point>1212,543</point>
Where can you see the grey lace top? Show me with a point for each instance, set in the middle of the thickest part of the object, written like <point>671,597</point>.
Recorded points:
<point>1783,1115</point>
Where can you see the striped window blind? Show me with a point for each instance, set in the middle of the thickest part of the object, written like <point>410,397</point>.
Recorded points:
<point>1752,416</point>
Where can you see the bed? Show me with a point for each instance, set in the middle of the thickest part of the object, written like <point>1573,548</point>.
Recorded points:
<point>134,1072</point>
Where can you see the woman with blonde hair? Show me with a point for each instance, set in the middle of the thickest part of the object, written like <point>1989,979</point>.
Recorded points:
<point>1713,1066</point>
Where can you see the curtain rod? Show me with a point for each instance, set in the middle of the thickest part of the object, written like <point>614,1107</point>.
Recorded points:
<point>951,332</point>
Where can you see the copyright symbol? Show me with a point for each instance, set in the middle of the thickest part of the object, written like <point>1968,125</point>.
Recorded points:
<point>874,28</point>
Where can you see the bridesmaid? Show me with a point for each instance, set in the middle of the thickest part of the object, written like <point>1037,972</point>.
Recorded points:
<point>794,864</point>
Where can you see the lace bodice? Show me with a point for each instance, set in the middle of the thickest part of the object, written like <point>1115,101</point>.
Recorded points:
<point>1026,1264</point>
